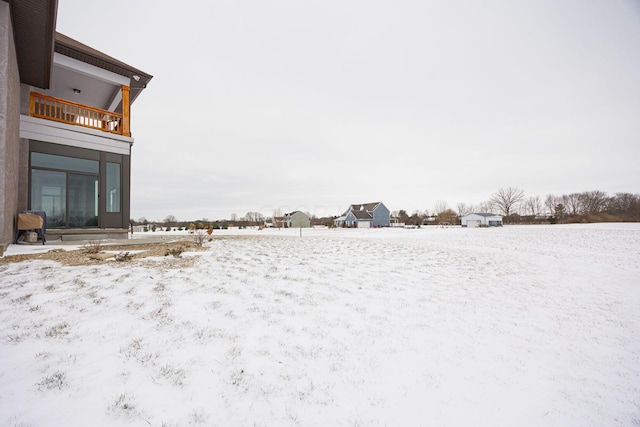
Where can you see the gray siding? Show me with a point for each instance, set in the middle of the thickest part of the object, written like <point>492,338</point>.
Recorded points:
<point>350,219</point>
<point>300,220</point>
<point>381,216</point>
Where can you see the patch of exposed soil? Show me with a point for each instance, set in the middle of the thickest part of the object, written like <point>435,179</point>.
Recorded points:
<point>83,256</point>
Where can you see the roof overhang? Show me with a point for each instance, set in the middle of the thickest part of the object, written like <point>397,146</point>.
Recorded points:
<point>34,24</point>
<point>67,46</point>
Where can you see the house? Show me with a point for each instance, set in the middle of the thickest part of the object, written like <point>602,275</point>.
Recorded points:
<point>65,134</point>
<point>275,222</point>
<point>365,215</point>
<point>481,220</point>
<point>297,219</point>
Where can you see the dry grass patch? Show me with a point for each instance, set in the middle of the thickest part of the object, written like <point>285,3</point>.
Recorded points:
<point>80,256</point>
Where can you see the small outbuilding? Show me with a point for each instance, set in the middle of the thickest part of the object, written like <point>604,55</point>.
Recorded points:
<point>481,220</point>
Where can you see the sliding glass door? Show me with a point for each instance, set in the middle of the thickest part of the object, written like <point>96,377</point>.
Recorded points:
<point>70,200</point>
<point>49,194</point>
<point>82,200</point>
<point>66,188</point>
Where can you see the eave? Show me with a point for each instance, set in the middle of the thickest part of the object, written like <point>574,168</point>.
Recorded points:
<point>34,23</point>
<point>74,49</point>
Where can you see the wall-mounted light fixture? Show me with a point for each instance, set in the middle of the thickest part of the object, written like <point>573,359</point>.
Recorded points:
<point>76,91</point>
<point>136,77</point>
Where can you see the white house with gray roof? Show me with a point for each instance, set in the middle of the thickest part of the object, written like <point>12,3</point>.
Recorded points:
<point>481,220</point>
<point>365,215</point>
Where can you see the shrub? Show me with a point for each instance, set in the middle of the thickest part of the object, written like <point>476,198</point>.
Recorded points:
<point>93,247</point>
<point>168,228</point>
<point>199,236</point>
<point>202,234</point>
<point>176,252</point>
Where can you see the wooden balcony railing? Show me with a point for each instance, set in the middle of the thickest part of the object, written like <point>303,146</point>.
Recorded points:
<point>60,110</point>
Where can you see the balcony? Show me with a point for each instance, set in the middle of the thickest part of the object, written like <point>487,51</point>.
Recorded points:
<point>60,110</point>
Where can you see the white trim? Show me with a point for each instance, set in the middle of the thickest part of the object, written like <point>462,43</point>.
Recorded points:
<point>117,98</point>
<point>366,223</point>
<point>90,70</point>
<point>73,136</point>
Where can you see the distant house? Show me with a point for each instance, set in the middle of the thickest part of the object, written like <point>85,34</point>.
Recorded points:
<point>365,215</point>
<point>276,221</point>
<point>297,219</point>
<point>481,220</point>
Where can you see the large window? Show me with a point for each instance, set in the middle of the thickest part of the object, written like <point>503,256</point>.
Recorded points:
<point>49,194</point>
<point>113,187</point>
<point>82,200</point>
<point>66,188</point>
<point>51,161</point>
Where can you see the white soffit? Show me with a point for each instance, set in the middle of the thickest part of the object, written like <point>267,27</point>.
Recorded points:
<point>90,70</point>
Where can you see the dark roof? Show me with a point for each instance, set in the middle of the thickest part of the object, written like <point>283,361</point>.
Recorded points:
<point>74,49</point>
<point>361,214</point>
<point>367,206</point>
<point>34,26</point>
<point>484,214</point>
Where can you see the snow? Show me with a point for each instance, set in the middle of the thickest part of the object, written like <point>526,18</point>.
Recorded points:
<point>520,325</point>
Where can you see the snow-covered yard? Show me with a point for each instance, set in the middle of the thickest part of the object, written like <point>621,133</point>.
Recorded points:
<point>516,326</point>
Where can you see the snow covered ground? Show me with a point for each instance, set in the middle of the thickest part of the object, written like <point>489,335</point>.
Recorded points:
<point>522,325</point>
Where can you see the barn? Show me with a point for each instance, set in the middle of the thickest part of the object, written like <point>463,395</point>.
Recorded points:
<point>481,220</point>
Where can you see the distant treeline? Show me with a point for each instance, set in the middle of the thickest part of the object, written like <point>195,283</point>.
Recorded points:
<point>516,208</point>
<point>588,206</point>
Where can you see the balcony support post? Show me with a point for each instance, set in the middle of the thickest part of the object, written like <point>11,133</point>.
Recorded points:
<point>126,131</point>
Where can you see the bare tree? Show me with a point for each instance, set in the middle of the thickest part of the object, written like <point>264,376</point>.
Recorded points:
<point>485,207</point>
<point>447,216</point>
<point>550,203</point>
<point>463,209</point>
<point>416,218</point>
<point>507,199</point>
<point>403,216</point>
<point>254,216</point>
<point>625,203</point>
<point>170,220</point>
<point>593,201</point>
<point>533,205</point>
<point>572,203</point>
<point>440,207</point>
<point>233,217</point>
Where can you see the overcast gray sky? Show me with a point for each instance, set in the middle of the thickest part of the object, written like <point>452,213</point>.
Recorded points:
<point>314,105</point>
